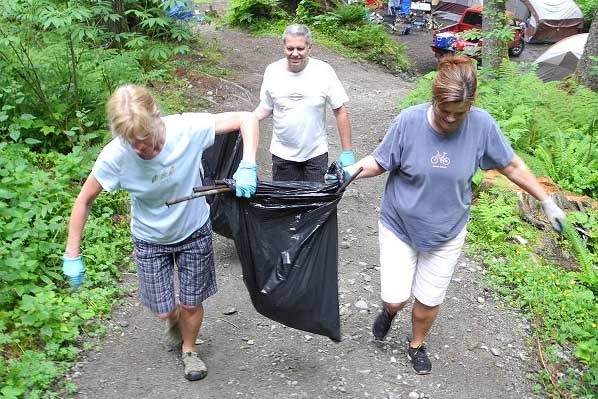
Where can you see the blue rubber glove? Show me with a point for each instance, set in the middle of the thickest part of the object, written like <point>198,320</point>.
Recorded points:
<point>329,178</point>
<point>347,173</point>
<point>74,269</point>
<point>245,179</point>
<point>347,158</point>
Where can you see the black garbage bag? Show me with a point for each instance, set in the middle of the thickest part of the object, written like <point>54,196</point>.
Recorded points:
<point>220,161</point>
<point>287,241</point>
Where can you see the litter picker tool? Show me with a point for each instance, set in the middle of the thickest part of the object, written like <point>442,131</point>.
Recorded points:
<point>202,191</point>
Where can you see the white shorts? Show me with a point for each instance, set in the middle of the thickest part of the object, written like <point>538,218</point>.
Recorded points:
<point>405,271</point>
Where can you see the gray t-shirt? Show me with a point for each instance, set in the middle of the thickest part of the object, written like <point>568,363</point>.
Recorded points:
<point>427,196</point>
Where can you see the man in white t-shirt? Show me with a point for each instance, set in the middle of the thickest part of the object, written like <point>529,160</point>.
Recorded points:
<point>296,91</point>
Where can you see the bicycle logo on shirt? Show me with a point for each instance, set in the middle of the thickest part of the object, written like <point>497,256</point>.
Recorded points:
<point>440,160</point>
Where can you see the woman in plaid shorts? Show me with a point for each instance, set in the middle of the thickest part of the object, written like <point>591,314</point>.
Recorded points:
<point>157,159</point>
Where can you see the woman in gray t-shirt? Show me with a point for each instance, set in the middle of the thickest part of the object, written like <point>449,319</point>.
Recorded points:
<point>432,152</point>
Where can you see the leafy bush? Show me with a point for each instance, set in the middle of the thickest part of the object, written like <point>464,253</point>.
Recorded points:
<point>588,8</point>
<point>351,14</point>
<point>39,317</point>
<point>307,10</point>
<point>326,24</point>
<point>60,60</point>
<point>245,13</point>
<point>373,42</point>
<point>560,302</point>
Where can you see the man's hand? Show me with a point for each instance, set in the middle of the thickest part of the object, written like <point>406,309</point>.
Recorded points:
<point>347,158</point>
<point>554,214</point>
<point>245,179</point>
<point>347,173</point>
<point>74,269</point>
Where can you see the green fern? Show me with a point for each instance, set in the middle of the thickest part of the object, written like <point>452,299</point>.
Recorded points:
<point>507,70</point>
<point>572,163</point>
<point>589,273</point>
<point>495,211</point>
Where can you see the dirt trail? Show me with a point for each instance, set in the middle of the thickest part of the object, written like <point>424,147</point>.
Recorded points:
<point>478,346</point>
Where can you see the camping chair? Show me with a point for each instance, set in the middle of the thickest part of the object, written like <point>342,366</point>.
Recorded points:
<point>399,7</point>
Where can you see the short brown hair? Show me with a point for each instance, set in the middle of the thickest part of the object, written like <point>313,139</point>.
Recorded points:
<point>456,80</point>
<point>132,113</point>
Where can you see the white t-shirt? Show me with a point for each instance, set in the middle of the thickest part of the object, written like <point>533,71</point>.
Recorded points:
<point>171,174</point>
<point>298,103</point>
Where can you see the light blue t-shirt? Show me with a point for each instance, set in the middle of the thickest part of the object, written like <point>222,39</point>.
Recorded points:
<point>427,197</point>
<point>171,174</point>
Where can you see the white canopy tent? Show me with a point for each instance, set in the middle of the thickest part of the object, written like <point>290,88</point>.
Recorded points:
<point>552,20</point>
<point>560,60</point>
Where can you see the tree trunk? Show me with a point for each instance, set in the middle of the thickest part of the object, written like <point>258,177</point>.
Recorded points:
<point>494,48</point>
<point>587,68</point>
<point>121,25</point>
<point>291,5</point>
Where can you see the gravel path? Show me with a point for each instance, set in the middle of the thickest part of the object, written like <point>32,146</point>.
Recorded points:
<point>478,346</point>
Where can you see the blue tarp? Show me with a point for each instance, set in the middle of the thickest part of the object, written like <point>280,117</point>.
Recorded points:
<point>399,7</point>
<point>181,10</point>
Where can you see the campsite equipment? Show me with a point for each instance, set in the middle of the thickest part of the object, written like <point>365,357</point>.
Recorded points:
<point>560,59</point>
<point>444,39</point>
<point>449,39</point>
<point>406,15</point>
<point>420,11</point>
<point>552,20</point>
<point>400,13</point>
<point>547,21</point>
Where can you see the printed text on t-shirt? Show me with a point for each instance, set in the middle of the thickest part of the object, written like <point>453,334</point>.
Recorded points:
<point>163,175</point>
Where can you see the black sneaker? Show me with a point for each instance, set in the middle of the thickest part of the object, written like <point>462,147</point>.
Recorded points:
<point>382,324</point>
<point>420,360</point>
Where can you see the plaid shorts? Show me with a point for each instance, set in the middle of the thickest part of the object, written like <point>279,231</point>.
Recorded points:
<point>194,258</point>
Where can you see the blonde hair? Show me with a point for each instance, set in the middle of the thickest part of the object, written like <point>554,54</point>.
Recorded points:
<point>456,80</point>
<point>133,113</point>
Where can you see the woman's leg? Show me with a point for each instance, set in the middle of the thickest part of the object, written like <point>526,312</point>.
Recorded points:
<point>190,323</point>
<point>422,318</point>
<point>398,262</point>
<point>434,272</point>
<point>195,261</point>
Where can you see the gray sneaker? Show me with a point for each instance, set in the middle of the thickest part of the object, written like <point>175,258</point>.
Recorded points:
<point>195,368</point>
